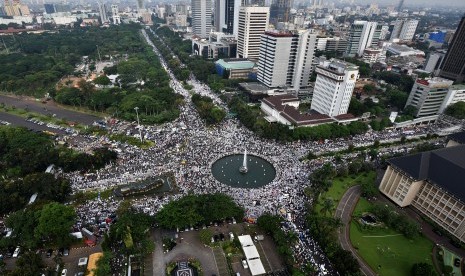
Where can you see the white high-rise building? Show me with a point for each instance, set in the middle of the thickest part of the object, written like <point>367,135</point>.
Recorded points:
<point>308,41</point>
<point>253,22</point>
<point>404,30</point>
<point>103,12</point>
<point>276,61</point>
<point>363,34</point>
<point>286,59</point>
<point>201,17</point>
<point>456,94</point>
<point>334,85</point>
<point>220,15</point>
<point>115,14</point>
<point>427,95</point>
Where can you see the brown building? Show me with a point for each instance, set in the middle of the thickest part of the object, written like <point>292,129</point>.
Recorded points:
<point>453,66</point>
<point>432,182</point>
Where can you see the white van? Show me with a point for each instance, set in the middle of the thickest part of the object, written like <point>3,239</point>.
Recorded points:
<point>16,253</point>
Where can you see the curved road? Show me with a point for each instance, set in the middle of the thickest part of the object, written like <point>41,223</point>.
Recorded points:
<point>344,212</point>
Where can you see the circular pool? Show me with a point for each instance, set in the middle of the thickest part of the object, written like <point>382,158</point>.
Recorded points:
<point>259,171</point>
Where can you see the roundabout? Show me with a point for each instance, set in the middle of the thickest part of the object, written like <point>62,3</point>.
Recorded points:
<point>243,171</point>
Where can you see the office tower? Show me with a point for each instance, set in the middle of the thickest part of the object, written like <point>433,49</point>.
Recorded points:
<point>276,61</point>
<point>334,85</point>
<point>279,11</point>
<point>308,41</point>
<point>102,9</point>
<point>363,34</point>
<point>399,7</point>
<point>115,14</point>
<point>15,8</point>
<point>231,16</point>
<point>453,66</point>
<point>201,17</point>
<point>317,3</point>
<point>253,22</point>
<point>455,94</point>
<point>49,8</point>
<point>434,63</point>
<point>427,95</point>
<point>140,5</point>
<point>404,29</point>
<point>220,10</point>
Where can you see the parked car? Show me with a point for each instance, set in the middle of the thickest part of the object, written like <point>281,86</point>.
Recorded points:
<point>244,264</point>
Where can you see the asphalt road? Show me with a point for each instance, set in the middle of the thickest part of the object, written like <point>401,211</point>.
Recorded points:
<point>19,121</point>
<point>344,212</point>
<point>48,108</point>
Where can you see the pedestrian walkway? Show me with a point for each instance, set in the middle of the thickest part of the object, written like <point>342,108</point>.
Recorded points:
<point>221,263</point>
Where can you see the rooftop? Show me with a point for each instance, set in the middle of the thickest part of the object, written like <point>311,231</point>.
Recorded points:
<point>444,167</point>
<point>337,65</point>
<point>435,81</point>
<point>240,63</point>
<point>458,137</point>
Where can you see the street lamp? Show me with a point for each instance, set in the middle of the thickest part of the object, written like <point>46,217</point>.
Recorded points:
<point>138,124</point>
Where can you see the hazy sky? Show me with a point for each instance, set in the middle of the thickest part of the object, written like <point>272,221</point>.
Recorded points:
<point>424,3</point>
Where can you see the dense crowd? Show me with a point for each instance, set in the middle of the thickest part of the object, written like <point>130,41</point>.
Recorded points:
<point>186,148</point>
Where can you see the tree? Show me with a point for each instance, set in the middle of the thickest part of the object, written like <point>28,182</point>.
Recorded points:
<point>344,262</point>
<point>29,263</point>
<point>327,207</point>
<point>456,110</point>
<point>54,223</point>
<point>102,80</point>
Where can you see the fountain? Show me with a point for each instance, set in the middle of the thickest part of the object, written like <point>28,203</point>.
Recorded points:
<point>243,168</point>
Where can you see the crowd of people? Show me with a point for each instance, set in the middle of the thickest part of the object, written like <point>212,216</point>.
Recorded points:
<point>186,148</point>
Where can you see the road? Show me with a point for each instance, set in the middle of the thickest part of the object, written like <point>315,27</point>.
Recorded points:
<point>20,121</point>
<point>344,212</point>
<point>48,108</point>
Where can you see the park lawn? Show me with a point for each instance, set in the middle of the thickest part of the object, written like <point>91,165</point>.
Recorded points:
<point>341,184</point>
<point>449,257</point>
<point>395,253</point>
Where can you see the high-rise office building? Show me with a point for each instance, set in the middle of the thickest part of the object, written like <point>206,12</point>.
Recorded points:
<point>404,29</point>
<point>453,66</point>
<point>201,17</point>
<point>115,14</point>
<point>427,95</point>
<point>253,22</point>
<point>363,34</point>
<point>102,9</point>
<point>276,61</point>
<point>308,41</point>
<point>280,11</point>
<point>49,8</point>
<point>15,8</point>
<point>220,15</point>
<point>334,86</point>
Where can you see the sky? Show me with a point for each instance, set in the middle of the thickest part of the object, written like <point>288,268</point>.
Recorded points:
<point>425,3</point>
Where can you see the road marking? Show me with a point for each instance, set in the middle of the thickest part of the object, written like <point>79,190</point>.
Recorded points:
<point>385,236</point>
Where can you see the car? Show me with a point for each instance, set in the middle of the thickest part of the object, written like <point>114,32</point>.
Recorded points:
<point>63,272</point>
<point>60,251</point>
<point>439,233</point>
<point>455,244</point>
<point>457,262</point>
<point>66,252</point>
<point>16,253</point>
<point>10,252</point>
<point>79,274</point>
<point>49,253</point>
<point>244,264</point>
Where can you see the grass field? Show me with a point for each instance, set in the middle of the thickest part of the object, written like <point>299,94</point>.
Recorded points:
<point>340,186</point>
<point>449,260</point>
<point>386,251</point>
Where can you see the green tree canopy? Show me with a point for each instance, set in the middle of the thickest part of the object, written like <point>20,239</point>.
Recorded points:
<point>54,223</point>
<point>456,110</point>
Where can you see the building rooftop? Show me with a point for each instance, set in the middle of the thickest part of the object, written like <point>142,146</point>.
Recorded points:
<point>458,137</point>
<point>336,65</point>
<point>237,64</point>
<point>436,81</point>
<point>444,167</point>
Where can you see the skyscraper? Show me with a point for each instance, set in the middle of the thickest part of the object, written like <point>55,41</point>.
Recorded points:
<point>427,95</point>
<point>280,11</point>
<point>220,15</point>
<point>201,17</point>
<point>363,34</point>
<point>453,66</point>
<point>253,22</point>
<point>334,85</point>
<point>404,29</point>
<point>276,61</point>
<point>102,9</point>
<point>286,58</point>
